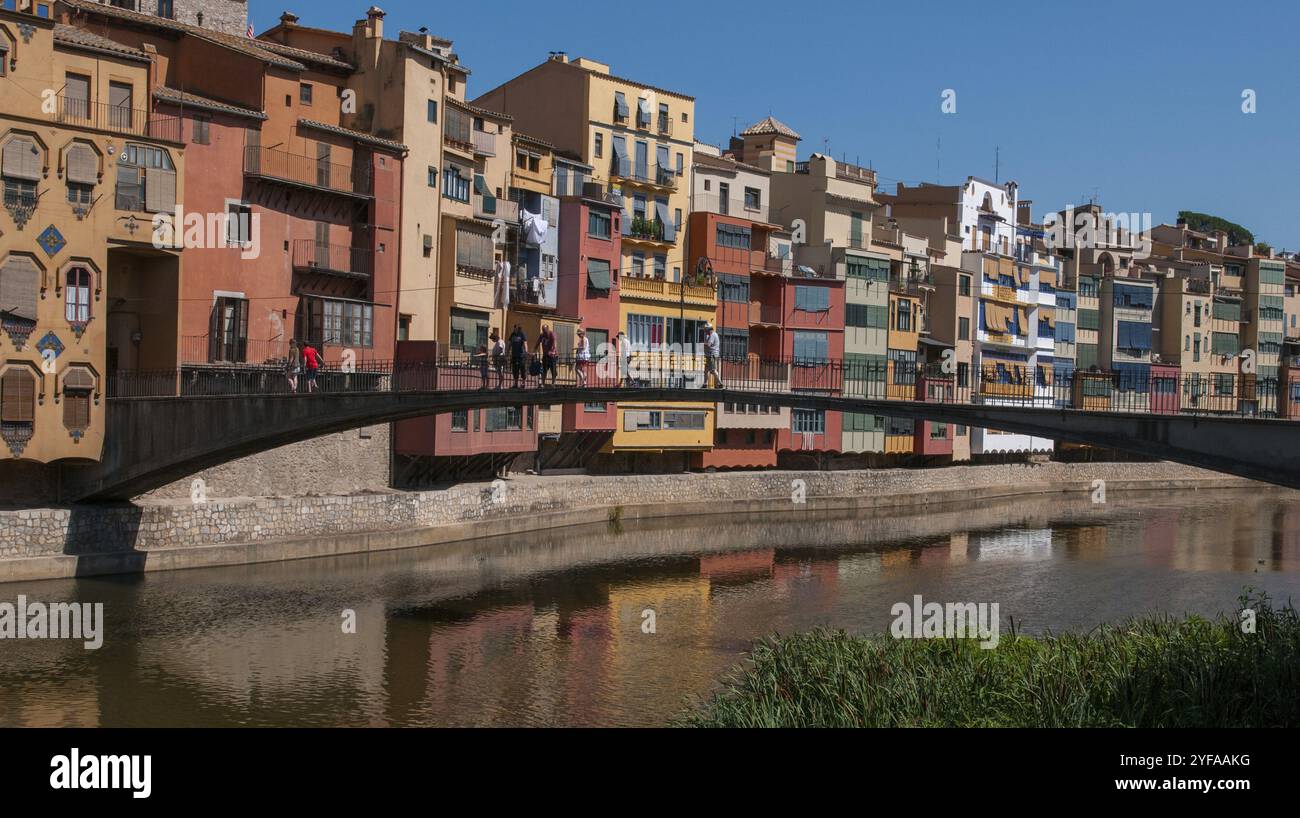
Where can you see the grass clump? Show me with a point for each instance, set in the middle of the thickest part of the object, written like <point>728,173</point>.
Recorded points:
<point>1147,672</point>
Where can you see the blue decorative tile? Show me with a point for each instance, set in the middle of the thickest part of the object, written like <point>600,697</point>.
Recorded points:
<point>51,241</point>
<point>50,341</point>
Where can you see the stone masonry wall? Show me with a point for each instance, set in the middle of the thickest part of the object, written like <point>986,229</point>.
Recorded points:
<point>342,463</point>
<point>174,524</point>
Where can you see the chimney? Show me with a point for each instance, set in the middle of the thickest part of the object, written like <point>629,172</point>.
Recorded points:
<point>288,19</point>
<point>375,22</point>
<point>559,56</point>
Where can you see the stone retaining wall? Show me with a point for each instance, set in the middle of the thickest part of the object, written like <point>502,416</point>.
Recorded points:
<point>156,526</point>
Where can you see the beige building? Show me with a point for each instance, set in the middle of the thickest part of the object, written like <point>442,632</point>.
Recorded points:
<point>638,139</point>
<point>86,165</point>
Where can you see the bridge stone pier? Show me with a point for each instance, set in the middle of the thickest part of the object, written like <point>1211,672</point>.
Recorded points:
<point>151,442</point>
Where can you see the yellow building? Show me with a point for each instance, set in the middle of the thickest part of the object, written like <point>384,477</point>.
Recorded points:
<point>638,139</point>
<point>86,164</point>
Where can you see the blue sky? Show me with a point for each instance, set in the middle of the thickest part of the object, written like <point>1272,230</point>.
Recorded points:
<point>1139,104</point>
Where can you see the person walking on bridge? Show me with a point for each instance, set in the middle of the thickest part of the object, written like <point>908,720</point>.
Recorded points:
<point>549,354</point>
<point>311,364</point>
<point>712,352</point>
<point>293,366</point>
<point>582,354</point>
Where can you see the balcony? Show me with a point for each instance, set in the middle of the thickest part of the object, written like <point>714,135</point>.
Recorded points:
<point>80,113</point>
<point>332,259</point>
<point>853,173</point>
<point>643,173</point>
<point>493,208</point>
<point>639,228</point>
<point>764,315</point>
<point>776,265</point>
<point>658,289</point>
<point>664,125</point>
<point>304,171</point>
<point>911,284</point>
<point>485,144</point>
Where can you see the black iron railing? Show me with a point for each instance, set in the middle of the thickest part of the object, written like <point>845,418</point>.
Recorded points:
<point>692,372</point>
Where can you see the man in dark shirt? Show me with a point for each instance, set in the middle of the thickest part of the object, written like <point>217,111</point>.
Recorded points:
<point>518,356</point>
<point>546,345</point>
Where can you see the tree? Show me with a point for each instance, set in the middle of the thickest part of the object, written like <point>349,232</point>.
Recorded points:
<point>1206,223</point>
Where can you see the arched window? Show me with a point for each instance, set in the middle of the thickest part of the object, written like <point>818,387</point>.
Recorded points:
<point>21,164</point>
<point>76,296</point>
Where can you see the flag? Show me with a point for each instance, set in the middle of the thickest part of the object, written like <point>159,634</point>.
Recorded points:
<point>250,29</point>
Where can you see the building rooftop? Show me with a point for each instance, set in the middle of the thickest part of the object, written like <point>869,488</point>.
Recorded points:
<point>359,136</point>
<point>83,39</point>
<point>170,95</point>
<point>770,125</point>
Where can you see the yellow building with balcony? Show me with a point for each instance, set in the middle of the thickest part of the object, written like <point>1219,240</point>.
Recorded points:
<point>86,164</point>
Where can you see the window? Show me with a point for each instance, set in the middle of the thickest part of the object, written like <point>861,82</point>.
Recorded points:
<point>78,384</point>
<point>504,419</point>
<point>76,296</point>
<point>661,266</point>
<point>239,224</point>
<point>460,420</point>
<point>904,366</point>
<point>4,60</point>
<point>694,331</point>
<point>867,269</point>
<point>641,420</point>
<point>735,344</point>
<point>20,284</point>
<point>903,316</point>
<point>664,121</point>
<point>228,336</point>
<point>200,130</point>
<point>80,194</point>
<point>812,299</point>
<point>733,288</point>
<point>469,330</point>
<point>963,285</point>
<point>638,265</point>
<point>645,331</point>
<point>598,275</point>
<point>17,405</point>
<point>733,236</point>
<point>431,111</point>
<point>867,316</point>
<point>808,421</point>
<point>684,420</point>
<point>146,179</point>
<point>600,145</point>
<point>23,162</point>
<point>598,224</point>
<point>455,183</point>
<point>753,198</point>
<point>304,93</point>
<point>121,113</point>
<point>433,177</point>
<point>724,198</point>
<point>810,348</point>
<point>963,329</point>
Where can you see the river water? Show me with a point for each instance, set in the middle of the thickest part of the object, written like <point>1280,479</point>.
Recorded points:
<point>551,628</point>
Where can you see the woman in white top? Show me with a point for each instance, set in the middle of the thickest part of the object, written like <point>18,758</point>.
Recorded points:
<point>583,354</point>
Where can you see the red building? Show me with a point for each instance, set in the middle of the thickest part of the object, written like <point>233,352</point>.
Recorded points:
<point>748,321</point>
<point>455,445</point>
<point>1166,389</point>
<point>930,438</point>
<point>289,220</point>
<point>587,287</point>
<point>812,332</point>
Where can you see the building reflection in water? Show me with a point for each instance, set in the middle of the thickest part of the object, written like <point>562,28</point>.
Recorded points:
<point>551,628</point>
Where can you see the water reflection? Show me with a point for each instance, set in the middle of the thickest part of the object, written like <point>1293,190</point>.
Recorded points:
<point>547,629</point>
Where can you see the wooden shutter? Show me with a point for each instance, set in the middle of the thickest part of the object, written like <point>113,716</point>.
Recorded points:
<point>78,377</point>
<point>18,397</point>
<point>21,159</point>
<point>20,280</point>
<point>76,409</point>
<point>81,165</point>
<point>159,190</point>
<point>76,96</point>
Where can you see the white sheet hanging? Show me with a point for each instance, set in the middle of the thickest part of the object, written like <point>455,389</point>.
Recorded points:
<point>501,298</point>
<point>535,228</point>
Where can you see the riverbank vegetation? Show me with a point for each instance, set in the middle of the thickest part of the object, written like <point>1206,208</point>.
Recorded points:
<point>1148,672</point>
